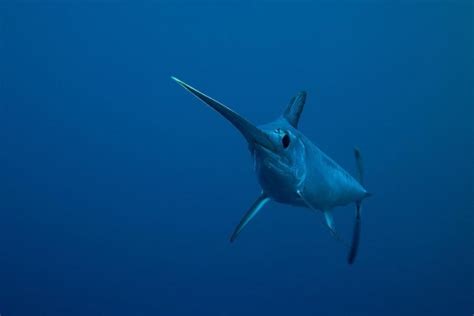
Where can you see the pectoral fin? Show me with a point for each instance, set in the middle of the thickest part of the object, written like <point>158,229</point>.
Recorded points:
<point>254,209</point>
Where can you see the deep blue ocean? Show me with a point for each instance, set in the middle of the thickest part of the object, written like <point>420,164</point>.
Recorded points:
<point>119,190</point>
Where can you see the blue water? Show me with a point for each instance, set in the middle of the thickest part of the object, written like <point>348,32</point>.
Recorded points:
<point>120,190</point>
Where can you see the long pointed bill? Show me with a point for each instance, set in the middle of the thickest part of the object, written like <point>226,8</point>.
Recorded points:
<point>251,133</point>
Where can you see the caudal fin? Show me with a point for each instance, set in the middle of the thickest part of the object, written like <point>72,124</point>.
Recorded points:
<point>359,165</point>
<point>354,248</point>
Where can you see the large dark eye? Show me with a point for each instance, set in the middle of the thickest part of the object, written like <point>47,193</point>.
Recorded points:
<point>285,141</point>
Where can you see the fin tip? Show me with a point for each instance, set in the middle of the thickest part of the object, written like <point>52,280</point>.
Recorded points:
<point>232,237</point>
<point>357,152</point>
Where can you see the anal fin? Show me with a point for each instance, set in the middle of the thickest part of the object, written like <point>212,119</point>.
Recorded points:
<point>329,220</point>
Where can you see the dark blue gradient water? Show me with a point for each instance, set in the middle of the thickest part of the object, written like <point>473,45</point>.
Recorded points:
<point>119,190</point>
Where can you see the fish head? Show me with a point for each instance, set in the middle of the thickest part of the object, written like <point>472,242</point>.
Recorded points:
<point>281,167</point>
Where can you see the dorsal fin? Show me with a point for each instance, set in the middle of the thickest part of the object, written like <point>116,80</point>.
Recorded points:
<point>295,108</point>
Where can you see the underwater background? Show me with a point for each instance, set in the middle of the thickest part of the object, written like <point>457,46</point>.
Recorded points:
<point>119,190</point>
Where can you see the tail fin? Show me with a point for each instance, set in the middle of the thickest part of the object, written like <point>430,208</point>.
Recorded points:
<point>359,165</point>
<point>357,222</point>
<point>295,108</point>
<point>355,237</point>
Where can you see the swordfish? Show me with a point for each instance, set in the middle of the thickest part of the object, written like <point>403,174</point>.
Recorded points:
<point>292,170</point>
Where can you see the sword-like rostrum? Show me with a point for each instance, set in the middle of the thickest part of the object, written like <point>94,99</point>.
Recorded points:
<point>292,170</point>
